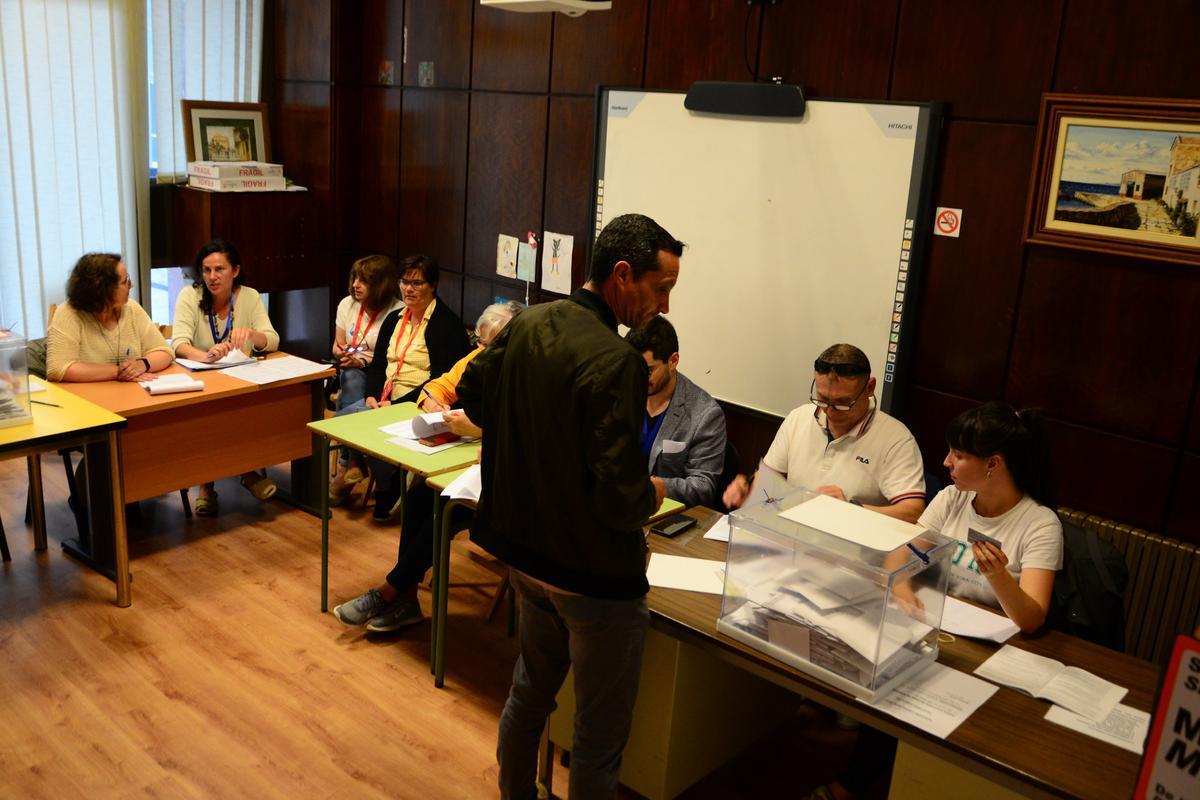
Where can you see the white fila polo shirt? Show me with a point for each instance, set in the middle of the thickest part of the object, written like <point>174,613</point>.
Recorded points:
<point>876,463</point>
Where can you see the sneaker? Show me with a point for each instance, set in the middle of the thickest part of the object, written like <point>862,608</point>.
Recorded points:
<point>400,613</point>
<point>361,609</point>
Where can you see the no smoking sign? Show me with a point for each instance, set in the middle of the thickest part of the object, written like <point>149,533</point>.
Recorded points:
<point>947,221</point>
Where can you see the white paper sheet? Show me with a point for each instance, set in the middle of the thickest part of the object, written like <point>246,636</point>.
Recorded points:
<point>1124,727</point>
<point>231,359</point>
<point>719,532</point>
<point>170,384</point>
<point>964,619</point>
<point>413,444</point>
<point>419,427</point>
<point>557,249</point>
<point>275,369</point>
<point>937,699</point>
<point>1070,687</point>
<point>690,574</point>
<point>506,255</point>
<point>467,486</point>
<point>36,385</point>
<point>852,523</point>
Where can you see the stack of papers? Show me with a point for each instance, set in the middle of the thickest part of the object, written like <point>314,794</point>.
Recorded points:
<point>231,359</point>
<point>275,369</point>
<point>1078,690</point>
<point>406,433</point>
<point>467,486</point>
<point>937,699</point>
<point>169,384</point>
<point>1124,726</point>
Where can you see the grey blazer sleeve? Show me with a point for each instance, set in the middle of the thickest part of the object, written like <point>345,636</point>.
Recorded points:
<point>691,476</point>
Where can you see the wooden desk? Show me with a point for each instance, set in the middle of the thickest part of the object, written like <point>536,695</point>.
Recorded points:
<point>361,432</point>
<point>1007,741</point>
<point>76,423</point>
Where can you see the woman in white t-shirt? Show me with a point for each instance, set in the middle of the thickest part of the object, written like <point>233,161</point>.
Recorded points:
<point>374,289</point>
<point>997,460</point>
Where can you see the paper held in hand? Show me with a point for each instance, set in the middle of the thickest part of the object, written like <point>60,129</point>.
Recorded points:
<point>852,523</point>
<point>421,426</point>
<point>467,486</point>
<point>1072,688</point>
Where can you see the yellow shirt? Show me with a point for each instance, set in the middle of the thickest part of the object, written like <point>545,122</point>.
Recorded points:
<point>78,337</point>
<point>404,377</point>
<point>444,388</point>
<point>191,325</point>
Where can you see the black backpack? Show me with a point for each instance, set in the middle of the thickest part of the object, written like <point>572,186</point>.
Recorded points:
<point>1089,590</point>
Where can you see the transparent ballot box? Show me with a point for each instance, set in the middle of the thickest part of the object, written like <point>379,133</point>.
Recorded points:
<point>845,594</point>
<point>14,382</point>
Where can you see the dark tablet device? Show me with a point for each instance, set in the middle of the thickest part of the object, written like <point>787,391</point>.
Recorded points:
<point>673,525</point>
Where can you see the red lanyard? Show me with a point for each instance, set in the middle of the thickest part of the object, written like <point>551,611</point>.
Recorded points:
<point>387,389</point>
<point>354,340</point>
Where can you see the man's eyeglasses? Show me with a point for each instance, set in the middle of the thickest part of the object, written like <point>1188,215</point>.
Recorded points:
<point>825,404</point>
<point>417,284</point>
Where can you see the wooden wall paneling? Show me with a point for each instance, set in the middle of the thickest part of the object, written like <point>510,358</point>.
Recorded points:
<point>1193,434</point>
<point>603,48</point>
<point>349,39</point>
<point>439,33</point>
<point>380,45</point>
<point>988,60</point>
<point>1107,342</point>
<point>969,287</point>
<point>379,170</point>
<point>511,52</point>
<point>569,156</point>
<point>347,147</point>
<point>831,49</point>
<point>303,31</point>
<point>699,40</point>
<point>927,415</point>
<point>302,129</point>
<point>750,432</point>
<point>1114,476</point>
<point>479,293</point>
<point>273,233</point>
<point>1099,52</point>
<point>1183,515</point>
<point>507,160</point>
<point>433,175</point>
<point>450,292</point>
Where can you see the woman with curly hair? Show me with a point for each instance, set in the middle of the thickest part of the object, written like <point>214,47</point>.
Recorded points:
<point>99,334</point>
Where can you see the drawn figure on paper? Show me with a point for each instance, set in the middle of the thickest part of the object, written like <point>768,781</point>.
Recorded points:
<point>555,245</point>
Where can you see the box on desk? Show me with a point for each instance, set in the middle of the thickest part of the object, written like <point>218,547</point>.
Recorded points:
<point>14,383</point>
<point>831,589</point>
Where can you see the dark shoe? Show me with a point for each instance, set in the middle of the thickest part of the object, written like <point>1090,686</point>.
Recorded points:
<point>400,613</point>
<point>385,504</point>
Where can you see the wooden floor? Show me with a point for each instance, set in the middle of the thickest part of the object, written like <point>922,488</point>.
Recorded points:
<point>224,680</point>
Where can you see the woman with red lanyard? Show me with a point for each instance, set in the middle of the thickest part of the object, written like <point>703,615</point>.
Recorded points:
<point>424,338</point>
<point>213,317</point>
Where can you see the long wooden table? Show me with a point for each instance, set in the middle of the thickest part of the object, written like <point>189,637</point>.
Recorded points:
<point>74,422</point>
<point>174,441</point>
<point>1007,741</point>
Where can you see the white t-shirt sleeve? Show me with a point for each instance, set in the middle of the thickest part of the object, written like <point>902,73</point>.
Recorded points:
<point>1042,547</point>
<point>344,318</point>
<point>934,516</point>
<point>777,457</point>
<point>903,474</point>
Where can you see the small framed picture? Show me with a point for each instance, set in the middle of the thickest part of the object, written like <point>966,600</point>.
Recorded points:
<point>226,131</point>
<point>1117,175</point>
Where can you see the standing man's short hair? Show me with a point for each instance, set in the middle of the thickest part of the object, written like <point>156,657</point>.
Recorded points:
<point>657,337</point>
<point>634,238</point>
<point>844,361</point>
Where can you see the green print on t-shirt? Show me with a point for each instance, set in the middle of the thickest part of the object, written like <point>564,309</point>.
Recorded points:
<point>959,552</point>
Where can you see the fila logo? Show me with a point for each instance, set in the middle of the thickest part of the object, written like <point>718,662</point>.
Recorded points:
<point>862,460</point>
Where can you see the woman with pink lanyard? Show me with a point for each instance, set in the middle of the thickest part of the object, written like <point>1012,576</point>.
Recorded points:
<point>424,339</point>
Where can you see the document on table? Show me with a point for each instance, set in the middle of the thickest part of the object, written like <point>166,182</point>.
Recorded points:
<point>689,574</point>
<point>169,384</point>
<point>36,385</point>
<point>1070,687</point>
<point>275,369</point>
<point>937,699</point>
<point>1124,726</point>
<point>852,523</point>
<point>964,619</point>
<point>419,447</point>
<point>719,532</point>
<point>231,359</point>
<point>467,486</point>
<point>419,427</point>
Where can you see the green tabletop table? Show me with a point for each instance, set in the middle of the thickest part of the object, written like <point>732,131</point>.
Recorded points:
<point>362,432</point>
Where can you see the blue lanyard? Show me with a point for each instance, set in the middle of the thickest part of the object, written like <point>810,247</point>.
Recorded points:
<point>212,322</point>
<point>650,432</point>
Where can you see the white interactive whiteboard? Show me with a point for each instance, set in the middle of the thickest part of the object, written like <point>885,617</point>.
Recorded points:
<point>800,232</point>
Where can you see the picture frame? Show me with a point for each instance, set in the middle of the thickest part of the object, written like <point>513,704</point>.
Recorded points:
<point>219,131</point>
<point>1118,175</point>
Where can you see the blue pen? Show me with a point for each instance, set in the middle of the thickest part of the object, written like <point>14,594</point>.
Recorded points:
<point>920,555</point>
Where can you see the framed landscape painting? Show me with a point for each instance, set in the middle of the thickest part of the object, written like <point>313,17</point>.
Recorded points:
<point>225,131</point>
<point>1117,175</point>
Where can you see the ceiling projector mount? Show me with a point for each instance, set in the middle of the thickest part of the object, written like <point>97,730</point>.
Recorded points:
<point>572,8</point>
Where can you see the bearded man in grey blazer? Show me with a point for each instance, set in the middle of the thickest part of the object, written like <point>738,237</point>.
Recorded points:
<point>683,435</point>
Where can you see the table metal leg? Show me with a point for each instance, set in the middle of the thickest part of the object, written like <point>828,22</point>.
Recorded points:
<point>323,458</point>
<point>120,536</point>
<point>443,580</point>
<point>37,501</point>
<point>435,583</point>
